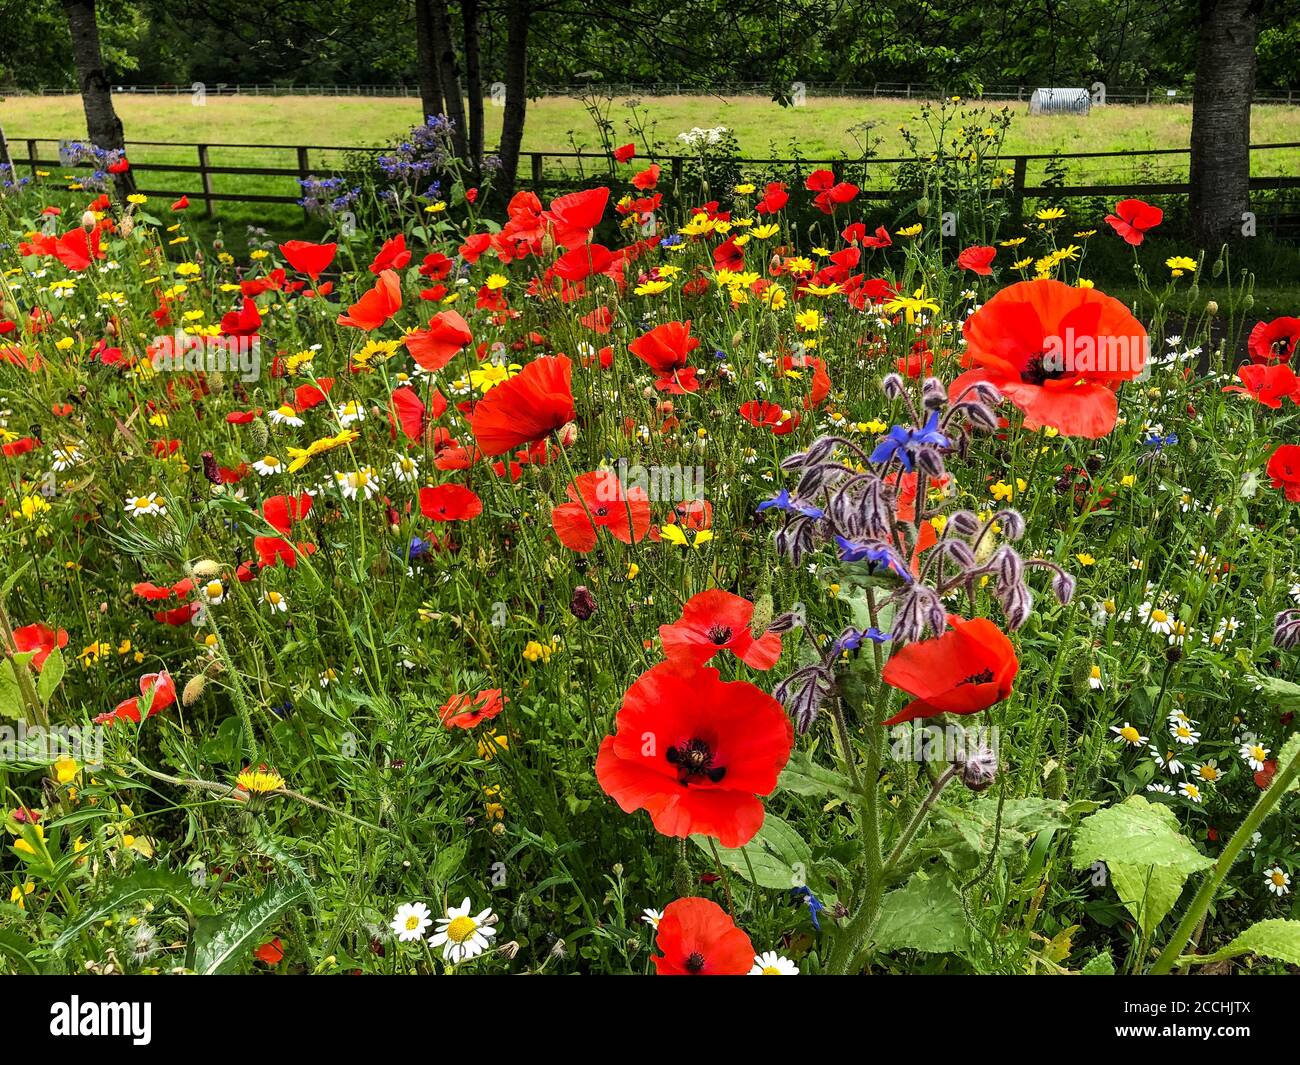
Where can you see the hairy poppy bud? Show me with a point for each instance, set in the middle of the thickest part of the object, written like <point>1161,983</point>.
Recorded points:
<point>979,769</point>
<point>762,618</point>
<point>583,603</point>
<point>193,690</point>
<point>258,434</point>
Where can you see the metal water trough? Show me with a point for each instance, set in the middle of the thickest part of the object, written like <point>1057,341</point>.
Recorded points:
<point>1060,102</point>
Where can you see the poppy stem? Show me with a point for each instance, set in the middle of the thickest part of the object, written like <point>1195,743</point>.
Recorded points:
<point>900,848</point>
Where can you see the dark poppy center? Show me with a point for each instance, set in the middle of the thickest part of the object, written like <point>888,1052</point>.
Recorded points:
<point>1035,371</point>
<point>984,676</point>
<point>601,512</point>
<point>695,963</point>
<point>720,634</point>
<point>694,759</point>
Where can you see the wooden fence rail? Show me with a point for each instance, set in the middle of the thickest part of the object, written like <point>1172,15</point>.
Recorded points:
<point>533,164</point>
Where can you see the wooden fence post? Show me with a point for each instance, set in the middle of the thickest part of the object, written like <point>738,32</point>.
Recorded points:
<point>677,170</point>
<point>536,161</point>
<point>1018,185</point>
<point>31,154</point>
<point>206,179</point>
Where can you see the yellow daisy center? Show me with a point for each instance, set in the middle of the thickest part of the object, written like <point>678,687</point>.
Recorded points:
<point>461,929</point>
<point>412,923</point>
<point>1129,733</point>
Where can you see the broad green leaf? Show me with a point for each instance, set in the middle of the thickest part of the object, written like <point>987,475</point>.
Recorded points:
<point>778,855</point>
<point>1147,891</point>
<point>19,951</point>
<point>141,885</point>
<point>1289,750</point>
<point>964,835</point>
<point>923,915</point>
<point>222,943</point>
<point>803,776</point>
<point>1101,965</point>
<point>51,675</point>
<point>1277,938</point>
<point>11,696</point>
<point>1284,691</point>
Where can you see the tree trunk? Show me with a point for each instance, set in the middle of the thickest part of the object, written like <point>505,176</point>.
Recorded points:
<point>1225,83</point>
<point>449,75</point>
<point>103,126</point>
<point>512,121</point>
<point>469,10</point>
<point>426,52</point>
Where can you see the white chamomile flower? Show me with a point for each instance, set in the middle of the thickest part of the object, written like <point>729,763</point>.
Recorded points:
<point>1167,760</point>
<point>1188,790</point>
<point>267,465</point>
<point>350,412</point>
<point>284,415</point>
<point>771,963</point>
<point>1156,619</point>
<point>1254,755</point>
<point>65,458</point>
<point>652,917</point>
<point>1094,678</point>
<point>276,601</point>
<point>1208,772</point>
<point>411,921</point>
<point>213,592</point>
<point>406,468</point>
<point>461,936</point>
<point>364,481</point>
<point>1184,733</point>
<point>1128,734</point>
<point>1160,789</point>
<point>150,504</point>
<point>1277,880</point>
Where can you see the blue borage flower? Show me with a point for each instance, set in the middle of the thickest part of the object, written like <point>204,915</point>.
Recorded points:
<point>804,896</point>
<point>783,501</point>
<point>876,551</point>
<point>902,441</point>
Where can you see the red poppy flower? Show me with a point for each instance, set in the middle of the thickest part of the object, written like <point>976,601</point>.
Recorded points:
<point>412,414</point>
<point>528,407</point>
<point>41,639</point>
<point>1057,352</point>
<point>273,550</point>
<point>717,620</point>
<point>648,178</point>
<point>697,938</point>
<point>583,261</point>
<point>573,217</point>
<point>21,446</point>
<point>281,512</point>
<point>244,322</point>
<point>307,396</point>
<point>392,256</point>
<point>181,204</point>
<point>1284,470</point>
<point>377,306</point>
<point>433,348</point>
<point>271,953</point>
<point>600,501</point>
<point>1269,384</point>
<point>308,258</point>
<point>763,415</point>
<point>625,153</point>
<point>1274,341</point>
<point>665,349</point>
<point>158,690</point>
<point>695,752</point>
<point>774,198</point>
<point>967,669</point>
<point>466,711</point>
<point>450,502</point>
<point>977,260</point>
<point>1133,219</point>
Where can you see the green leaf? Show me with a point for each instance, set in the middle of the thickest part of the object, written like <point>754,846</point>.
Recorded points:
<point>19,951</point>
<point>51,675</point>
<point>222,943</point>
<point>12,580</point>
<point>1149,861</point>
<point>1277,938</point>
<point>778,854</point>
<point>803,776</point>
<point>923,915</point>
<point>1290,749</point>
<point>126,891</point>
<point>964,834</point>
<point>1101,965</point>
<point>11,696</point>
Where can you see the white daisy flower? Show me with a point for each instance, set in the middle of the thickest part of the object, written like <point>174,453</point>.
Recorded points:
<point>406,468</point>
<point>1160,789</point>
<point>1094,678</point>
<point>771,963</point>
<point>1208,772</point>
<point>1167,760</point>
<point>1128,734</point>
<point>276,601</point>
<point>1156,619</point>
<point>214,592</point>
<point>1254,755</point>
<point>350,412</point>
<point>284,415</point>
<point>410,922</point>
<point>1183,733</point>
<point>267,465</point>
<point>461,936</point>
<point>652,917</point>
<point>364,481</point>
<point>1277,880</point>
<point>1188,790</point>
<point>65,458</point>
<point>151,504</point>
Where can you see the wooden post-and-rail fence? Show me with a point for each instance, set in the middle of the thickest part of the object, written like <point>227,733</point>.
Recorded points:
<point>590,164</point>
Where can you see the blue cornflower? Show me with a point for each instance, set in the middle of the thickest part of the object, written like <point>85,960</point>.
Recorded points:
<point>418,549</point>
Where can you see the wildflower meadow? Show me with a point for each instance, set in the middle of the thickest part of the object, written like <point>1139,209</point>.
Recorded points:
<point>735,575</point>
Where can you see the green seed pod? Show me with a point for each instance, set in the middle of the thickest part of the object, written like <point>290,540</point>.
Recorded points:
<point>258,434</point>
<point>1212,308</point>
<point>1249,301</point>
<point>1054,780</point>
<point>923,206</point>
<point>1217,269</point>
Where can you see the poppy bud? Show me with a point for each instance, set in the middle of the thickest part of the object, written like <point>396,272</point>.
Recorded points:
<point>206,569</point>
<point>1211,308</point>
<point>583,603</point>
<point>977,770</point>
<point>193,690</point>
<point>568,434</point>
<point>258,434</point>
<point>88,220</point>
<point>126,225</point>
<point>1063,587</point>
<point>762,618</point>
<point>210,470</point>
